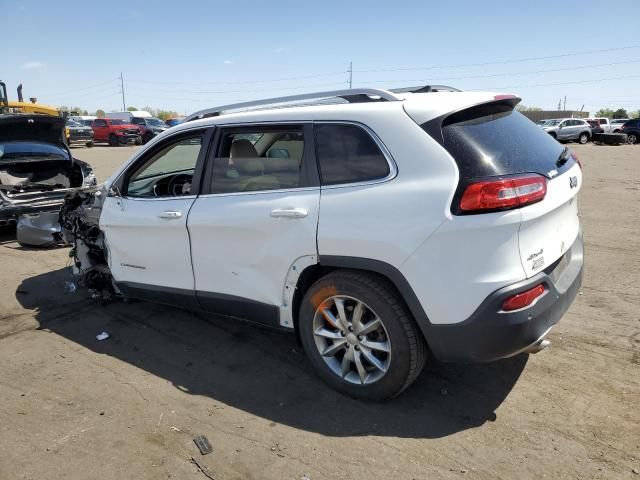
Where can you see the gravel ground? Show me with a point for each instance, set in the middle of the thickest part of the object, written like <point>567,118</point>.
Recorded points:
<point>75,408</point>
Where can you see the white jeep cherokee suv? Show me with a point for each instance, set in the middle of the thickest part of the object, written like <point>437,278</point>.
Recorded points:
<point>380,226</point>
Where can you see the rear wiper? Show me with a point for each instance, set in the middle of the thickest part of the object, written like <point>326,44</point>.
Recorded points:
<point>563,158</point>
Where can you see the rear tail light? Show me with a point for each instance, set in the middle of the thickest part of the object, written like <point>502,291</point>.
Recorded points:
<point>503,194</point>
<point>522,299</point>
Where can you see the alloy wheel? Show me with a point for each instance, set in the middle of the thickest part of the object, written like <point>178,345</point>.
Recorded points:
<point>352,339</point>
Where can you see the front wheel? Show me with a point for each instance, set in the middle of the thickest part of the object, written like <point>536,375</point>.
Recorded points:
<point>583,138</point>
<point>113,140</point>
<point>359,336</point>
<point>90,144</point>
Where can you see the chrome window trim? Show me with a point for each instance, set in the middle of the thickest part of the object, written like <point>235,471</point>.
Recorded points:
<point>393,167</point>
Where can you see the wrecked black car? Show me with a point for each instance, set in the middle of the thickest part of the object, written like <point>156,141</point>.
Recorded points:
<point>37,170</point>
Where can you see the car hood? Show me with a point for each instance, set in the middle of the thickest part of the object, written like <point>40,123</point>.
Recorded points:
<point>36,128</point>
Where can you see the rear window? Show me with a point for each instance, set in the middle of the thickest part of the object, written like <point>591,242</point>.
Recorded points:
<point>494,139</point>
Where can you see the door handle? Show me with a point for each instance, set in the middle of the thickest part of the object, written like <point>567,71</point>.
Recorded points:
<point>170,214</point>
<point>289,213</point>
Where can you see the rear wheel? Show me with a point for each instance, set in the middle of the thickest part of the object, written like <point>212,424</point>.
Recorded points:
<point>90,144</point>
<point>359,336</point>
<point>583,138</point>
<point>147,137</point>
<point>113,140</point>
<point>632,138</point>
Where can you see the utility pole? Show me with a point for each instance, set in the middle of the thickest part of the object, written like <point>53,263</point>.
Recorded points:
<point>564,108</point>
<point>124,107</point>
<point>350,74</point>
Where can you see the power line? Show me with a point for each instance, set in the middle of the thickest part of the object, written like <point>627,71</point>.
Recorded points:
<point>300,77</point>
<point>560,83</point>
<point>500,62</point>
<point>80,89</point>
<point>215,92</point>
<point>509,74</point>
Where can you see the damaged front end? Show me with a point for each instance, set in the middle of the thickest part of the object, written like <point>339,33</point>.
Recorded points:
<point>79,219</point>
<point>37,170</point>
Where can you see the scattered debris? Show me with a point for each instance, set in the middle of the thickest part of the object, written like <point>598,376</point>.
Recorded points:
<point>580,293</point>
<point>160,419</point>
<point>175,429</point>
<point>202,468</point>
<point>69,287</point>
<point>636,471</point>
<point>203,444</point>
<point>102,336</point>
<point>102,413</point>
<point>305,477</point>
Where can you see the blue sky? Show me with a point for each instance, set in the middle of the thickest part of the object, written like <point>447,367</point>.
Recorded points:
<point>186,55</point>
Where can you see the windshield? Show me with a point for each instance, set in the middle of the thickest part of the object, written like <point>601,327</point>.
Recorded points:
<point>155,122</point>
<point>74,123</point>
<point>118,122</point>
<point>551,123</point>
<point>31,150</point>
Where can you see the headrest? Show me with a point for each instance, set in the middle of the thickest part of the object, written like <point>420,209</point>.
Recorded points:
<point>249,166</point>
<point>242,148</point>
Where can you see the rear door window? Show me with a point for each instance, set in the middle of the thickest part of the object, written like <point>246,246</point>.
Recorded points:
<point>348,154</point>
<point>494,139</point>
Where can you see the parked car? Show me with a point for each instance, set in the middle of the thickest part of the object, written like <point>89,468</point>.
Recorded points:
<point>567,129</point>
<point>603,122</point>
<point>149,127</point>
<point>595,126</point>
<point>116,132</point>
<point>172,122</point>
<point>36,166</point>
<point>78,133</point>
<point>632,129</point>
<point>617,123</point>
<point>326,220</point>
<point>129,115</point>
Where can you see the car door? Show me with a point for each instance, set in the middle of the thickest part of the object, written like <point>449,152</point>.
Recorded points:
<point>144,220</point>
<point>257,222</point>
<point>100,130</point>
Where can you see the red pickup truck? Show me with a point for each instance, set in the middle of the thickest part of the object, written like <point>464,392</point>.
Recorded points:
<point>116,132</point>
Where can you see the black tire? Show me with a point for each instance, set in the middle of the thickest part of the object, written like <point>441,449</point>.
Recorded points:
<point>632,138</point>
<point>138,140</point>
<point>583,138</point>
<point>408,350</point>
<point>147,137</point>
<point>113,140</point>
<point>90,144</point>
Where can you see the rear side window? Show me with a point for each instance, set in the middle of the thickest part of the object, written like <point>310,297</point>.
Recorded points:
<point>494,139</point>
<point>348,154</point>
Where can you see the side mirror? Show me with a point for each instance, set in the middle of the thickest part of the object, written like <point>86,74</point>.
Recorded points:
<point>114,192</point>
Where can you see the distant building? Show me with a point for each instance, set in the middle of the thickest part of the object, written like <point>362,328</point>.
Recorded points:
<point>547,114</point>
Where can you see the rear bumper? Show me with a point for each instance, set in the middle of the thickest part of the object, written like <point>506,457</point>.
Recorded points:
<point>490,333</point>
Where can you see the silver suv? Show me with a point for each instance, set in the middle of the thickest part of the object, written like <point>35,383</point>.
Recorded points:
<point>566,129</point>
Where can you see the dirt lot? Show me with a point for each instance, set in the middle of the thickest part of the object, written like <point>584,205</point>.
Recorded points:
<point>75,408</point>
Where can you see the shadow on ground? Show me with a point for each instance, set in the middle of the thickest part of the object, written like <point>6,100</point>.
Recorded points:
<point>265,372</point>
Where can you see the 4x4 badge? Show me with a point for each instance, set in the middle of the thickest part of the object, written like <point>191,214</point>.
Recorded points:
<point>573,182</point>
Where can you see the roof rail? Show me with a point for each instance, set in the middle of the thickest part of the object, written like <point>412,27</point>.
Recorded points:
<point>352,95</point>
<point>425,89</point>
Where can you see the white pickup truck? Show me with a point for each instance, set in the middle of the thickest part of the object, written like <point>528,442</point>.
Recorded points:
<point>608,125</point>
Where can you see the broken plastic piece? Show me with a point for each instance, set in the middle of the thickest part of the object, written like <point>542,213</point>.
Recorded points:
<point>102,336</point>
<point>203,444</point>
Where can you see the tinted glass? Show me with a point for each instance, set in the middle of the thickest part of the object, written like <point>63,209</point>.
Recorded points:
<point>31,150</point>
<point>494,140</point>
<point>99,123</point>
<point>259,160</point>
<point>117,122</point>
<point>348,154</point>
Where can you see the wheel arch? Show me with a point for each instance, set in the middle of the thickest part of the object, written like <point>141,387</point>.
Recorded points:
<point>329,263</point>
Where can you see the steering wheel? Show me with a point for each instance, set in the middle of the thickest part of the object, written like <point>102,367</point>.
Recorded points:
<point>180,185</point>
